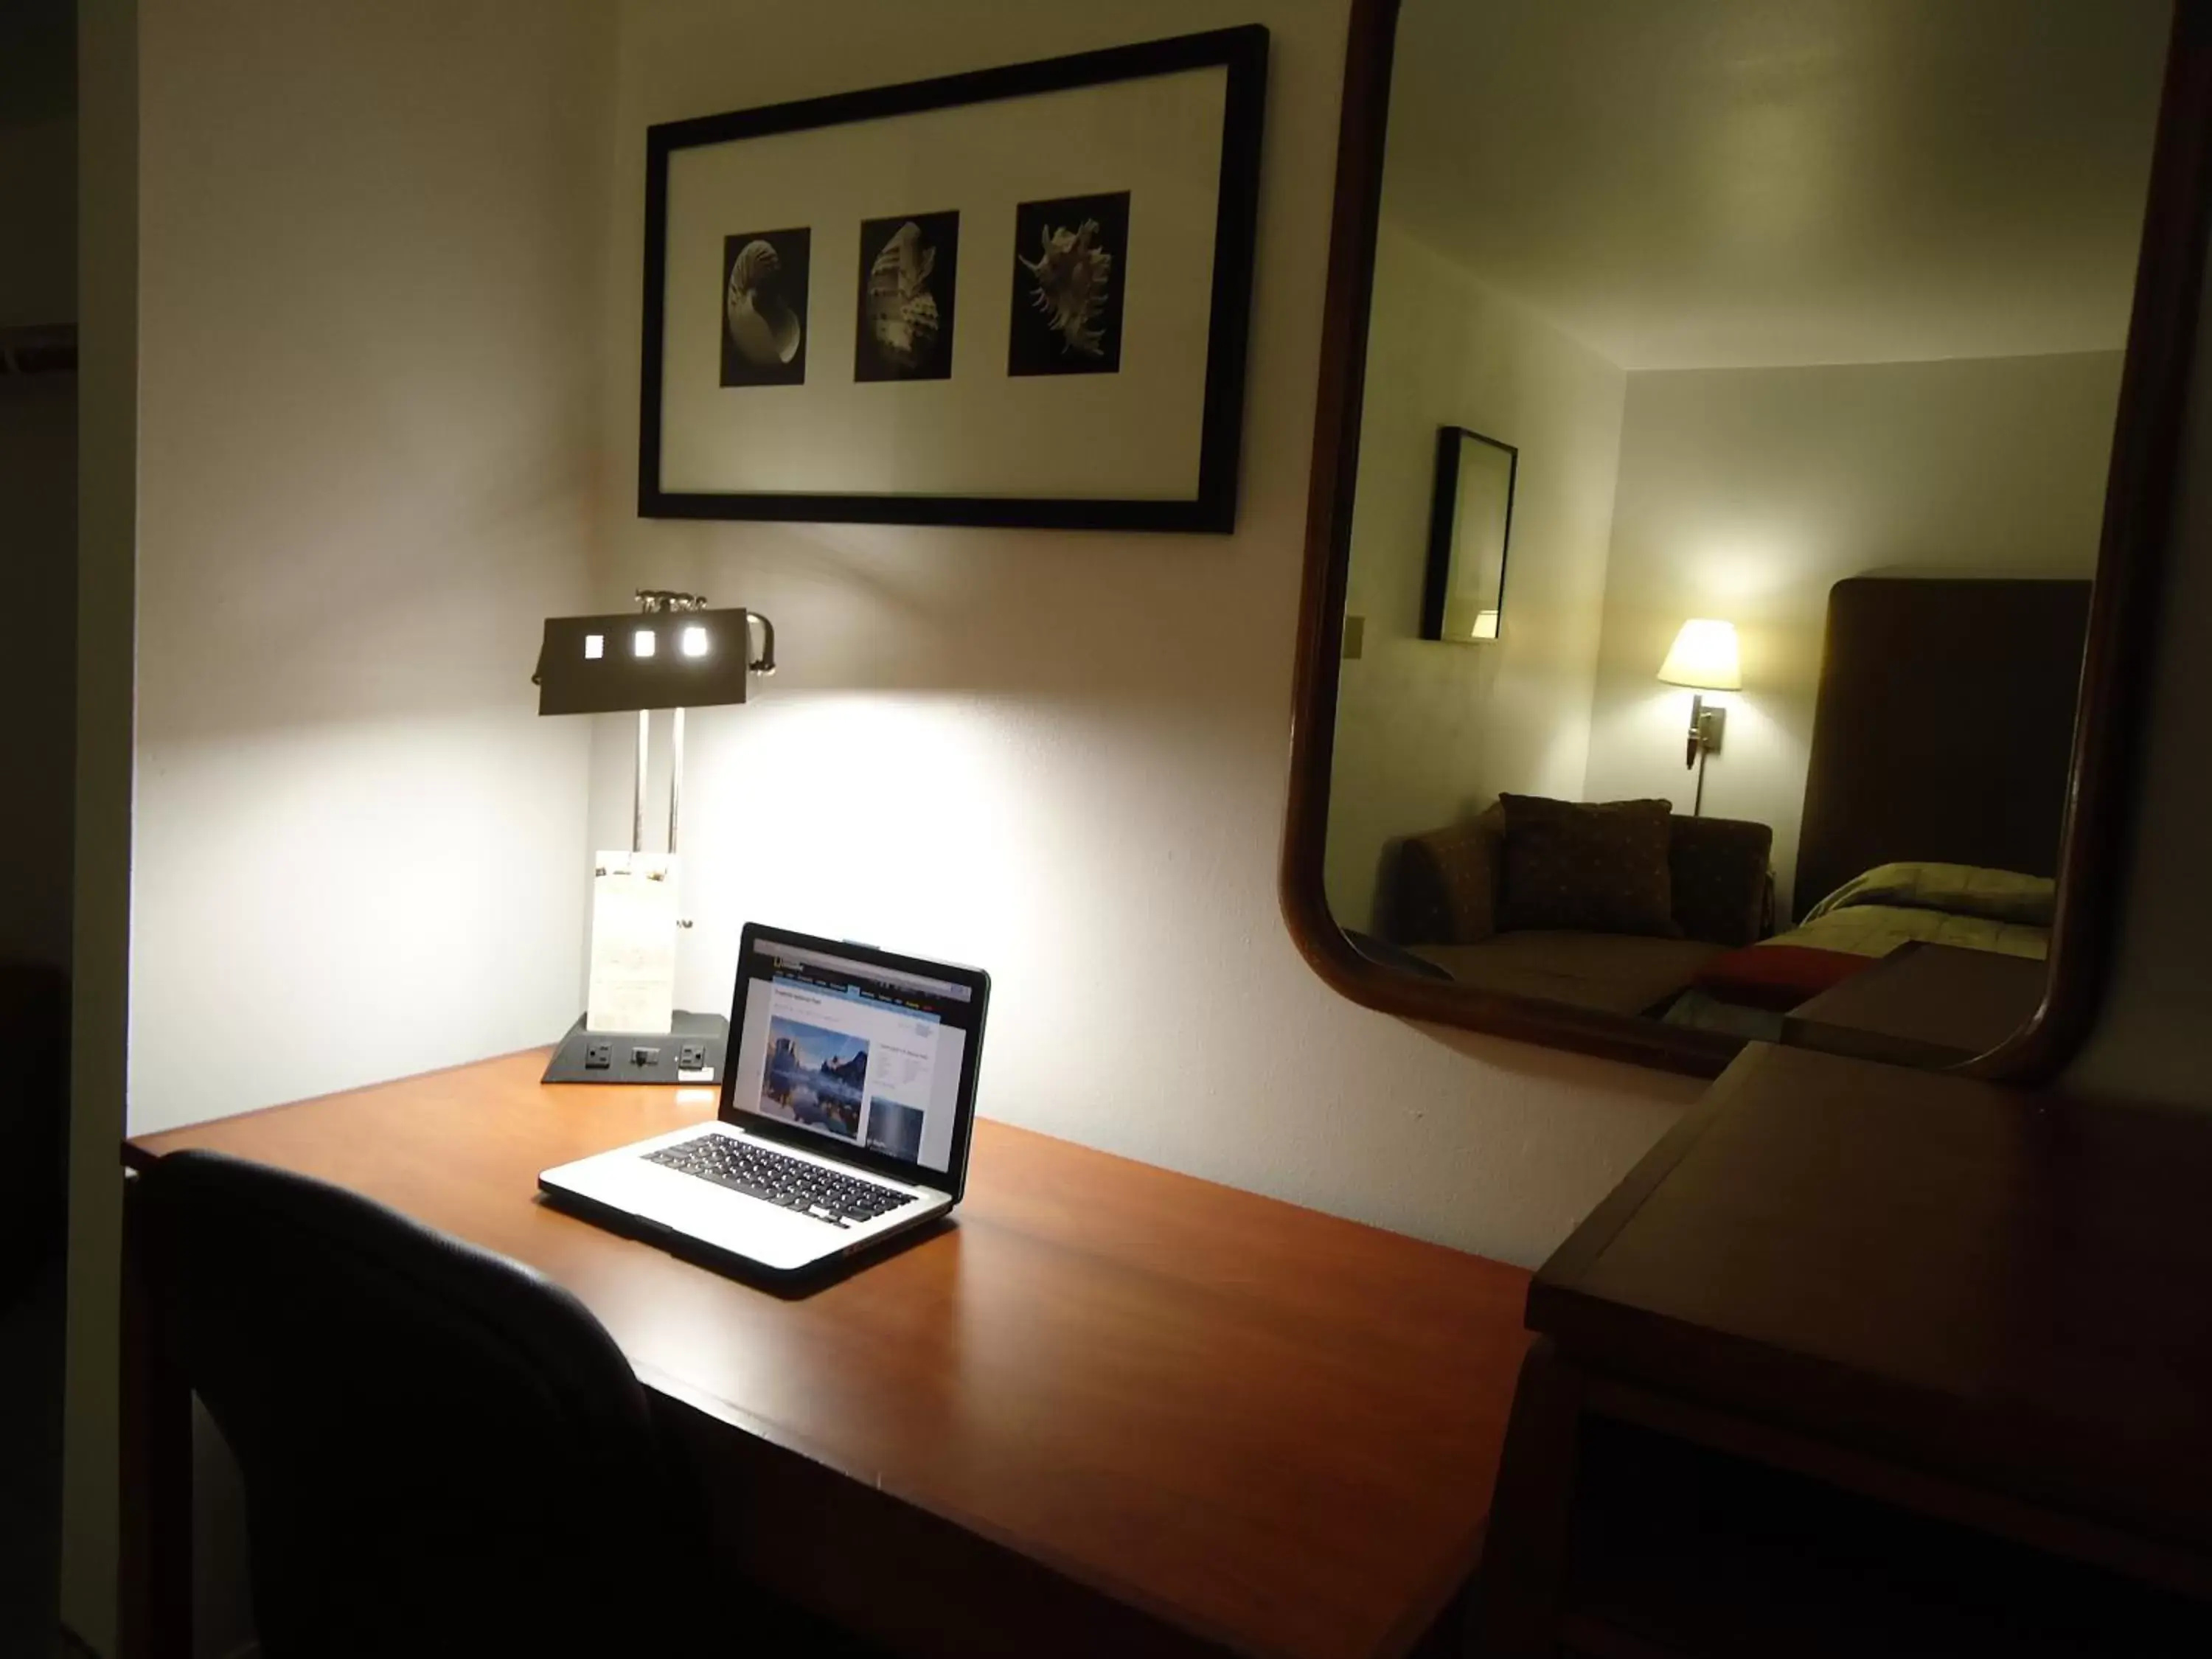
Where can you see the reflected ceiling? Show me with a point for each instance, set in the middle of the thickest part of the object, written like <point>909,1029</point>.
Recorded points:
<point>1739,183</point>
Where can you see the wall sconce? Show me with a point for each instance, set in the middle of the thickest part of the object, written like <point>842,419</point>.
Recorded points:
<point>1703,656</point>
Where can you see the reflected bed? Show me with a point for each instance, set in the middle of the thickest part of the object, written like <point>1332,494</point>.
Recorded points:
<point>1935,790</point>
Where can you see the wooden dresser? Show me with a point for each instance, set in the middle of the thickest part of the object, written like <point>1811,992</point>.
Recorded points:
<point>1861,1360</point>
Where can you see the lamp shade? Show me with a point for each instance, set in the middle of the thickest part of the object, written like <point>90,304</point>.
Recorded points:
<point>1703,656</point>
<point>614,664</point>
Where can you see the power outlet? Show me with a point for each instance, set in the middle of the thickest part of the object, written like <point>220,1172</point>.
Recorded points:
<point>690,1056</point>
<point>598,1056</point>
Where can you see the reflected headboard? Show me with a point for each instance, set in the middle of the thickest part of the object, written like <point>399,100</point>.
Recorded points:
<point>1944,728</point>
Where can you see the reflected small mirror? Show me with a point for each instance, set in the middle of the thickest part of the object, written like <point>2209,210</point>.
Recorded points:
<point>1470,524</point>
<point>1780,344</point>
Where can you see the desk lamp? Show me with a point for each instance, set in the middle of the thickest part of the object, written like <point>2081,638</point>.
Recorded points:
<point>1703,656</point>
<point>672,653</point>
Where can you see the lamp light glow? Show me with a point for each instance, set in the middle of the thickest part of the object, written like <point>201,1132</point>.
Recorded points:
<point>641,642</point>
<point>694,641</point>
<point>1703,657</point>
<point>595,646</point>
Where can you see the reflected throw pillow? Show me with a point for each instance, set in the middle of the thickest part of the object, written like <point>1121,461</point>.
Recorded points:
<point>1589,868</point>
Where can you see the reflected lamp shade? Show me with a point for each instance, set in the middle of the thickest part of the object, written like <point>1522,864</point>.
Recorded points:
<point>618,663</point>
<point>1703,657</point>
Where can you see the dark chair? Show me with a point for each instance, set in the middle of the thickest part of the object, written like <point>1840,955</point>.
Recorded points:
<point>442,1452</point>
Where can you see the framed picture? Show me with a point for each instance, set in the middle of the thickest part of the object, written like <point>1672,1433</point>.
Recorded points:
<point>1470,522</point>
<point>1016,297</point>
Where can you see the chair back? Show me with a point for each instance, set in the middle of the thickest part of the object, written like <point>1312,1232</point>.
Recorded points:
<point>442,1452</point>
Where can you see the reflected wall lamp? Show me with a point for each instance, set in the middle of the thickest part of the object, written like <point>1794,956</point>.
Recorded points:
<point>1703,657</point>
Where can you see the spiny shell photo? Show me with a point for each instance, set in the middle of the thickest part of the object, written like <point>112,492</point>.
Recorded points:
<point>1072,275</point>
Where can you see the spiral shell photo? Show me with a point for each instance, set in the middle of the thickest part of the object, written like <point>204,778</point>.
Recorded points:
<point>910,267</point>
<point>764,278</point>
<point>1071,272</point>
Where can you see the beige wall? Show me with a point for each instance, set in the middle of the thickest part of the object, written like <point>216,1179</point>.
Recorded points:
<point>1746,494</point>
<point>1429,732</point>
<point>1075,745</point>
<point>367,406</point>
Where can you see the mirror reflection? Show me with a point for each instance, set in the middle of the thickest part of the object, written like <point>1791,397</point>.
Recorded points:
<point>1772,347</point>
<point>1469,525</point>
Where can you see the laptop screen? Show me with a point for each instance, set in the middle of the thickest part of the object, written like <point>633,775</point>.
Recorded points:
<point>868,1056</point>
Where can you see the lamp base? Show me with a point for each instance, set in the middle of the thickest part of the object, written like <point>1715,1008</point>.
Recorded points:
<point>693,1049</point>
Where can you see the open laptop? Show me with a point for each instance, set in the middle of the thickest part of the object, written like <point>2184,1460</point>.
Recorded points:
<point>848,1106</point>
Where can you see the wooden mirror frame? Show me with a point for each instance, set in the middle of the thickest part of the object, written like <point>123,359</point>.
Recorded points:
<point>2115,690</point>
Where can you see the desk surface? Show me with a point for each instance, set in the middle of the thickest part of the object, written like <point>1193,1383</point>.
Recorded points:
<point>1999,1286</point>
<point>1921,1005</point>
<point>1267,1426</point>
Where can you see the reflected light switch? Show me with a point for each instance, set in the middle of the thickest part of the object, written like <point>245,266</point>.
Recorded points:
<point>1355,636</point>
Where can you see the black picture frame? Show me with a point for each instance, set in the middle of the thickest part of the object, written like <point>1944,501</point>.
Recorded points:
<point>1242,51</point>
<point>1443,531</point>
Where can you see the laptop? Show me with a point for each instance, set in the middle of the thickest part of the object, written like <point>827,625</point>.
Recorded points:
<point>848,1107</point>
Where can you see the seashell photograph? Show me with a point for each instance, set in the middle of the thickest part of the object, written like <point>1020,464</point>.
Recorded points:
<point>909,263</point>
<point>764,308</point>
<point>1070,269</point>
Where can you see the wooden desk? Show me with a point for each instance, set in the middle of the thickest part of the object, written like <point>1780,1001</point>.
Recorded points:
<point>1110,1410</point>
<point>1925,1005</point>
<point>1867,1360</point>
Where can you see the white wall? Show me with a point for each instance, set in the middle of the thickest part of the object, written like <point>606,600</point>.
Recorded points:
<point>1746,494</point>
<point>368,407</point>
<point>1076,744</point>
<point>1429,732</point>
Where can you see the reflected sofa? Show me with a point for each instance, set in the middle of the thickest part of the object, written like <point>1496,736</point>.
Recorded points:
<point>1441,903</point>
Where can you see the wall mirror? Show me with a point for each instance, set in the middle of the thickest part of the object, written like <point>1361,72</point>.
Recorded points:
<point>1470,529</point>
<point>1835,359</point>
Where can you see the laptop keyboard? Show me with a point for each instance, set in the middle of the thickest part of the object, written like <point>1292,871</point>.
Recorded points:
<point>811,1190</point>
